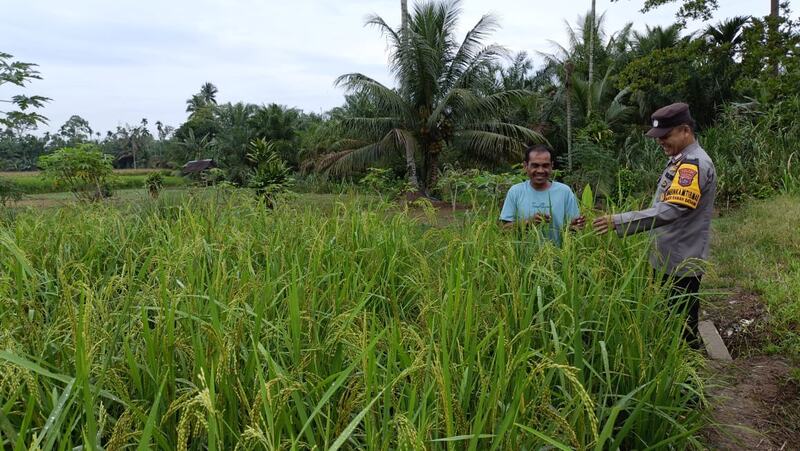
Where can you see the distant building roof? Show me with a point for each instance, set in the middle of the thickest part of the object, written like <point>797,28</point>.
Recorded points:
<point>196,166</point>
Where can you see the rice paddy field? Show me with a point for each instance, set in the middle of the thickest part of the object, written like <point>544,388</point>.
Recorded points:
<point>214,323</point>
<point>34,182</point>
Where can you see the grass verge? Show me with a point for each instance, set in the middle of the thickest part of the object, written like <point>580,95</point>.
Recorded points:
<point>757,249</point>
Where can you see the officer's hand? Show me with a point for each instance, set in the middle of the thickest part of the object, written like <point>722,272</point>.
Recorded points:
<point>539,218</point>
<point>578,223</point>
<point>603,224</point>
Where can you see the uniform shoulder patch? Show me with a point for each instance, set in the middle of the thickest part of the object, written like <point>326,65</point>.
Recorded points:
<point>685,187</point>
<point>686,175</point>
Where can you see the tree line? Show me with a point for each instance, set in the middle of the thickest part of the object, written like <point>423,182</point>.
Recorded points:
<point>460,101</point>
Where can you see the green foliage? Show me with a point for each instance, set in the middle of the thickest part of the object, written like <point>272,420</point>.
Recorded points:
<point>281,126</point>
<point>131,145</point>
<point>154,182</point>
<point>382,182</point>
<point>19,74</point>
<point>476,186</point>
<point>21,153</point>
<point>205,99</point>
<point>270,175</point>
<point>212,176</point>
<point>9,191</point>
<point>440,101</point>
<point>75,130</point>
<point>84,170</point>
<point>664,76</point>
<point>587,199</point>
<point>791,179</point>
<point>690,9</point>
<point>770,59</point>
<point>753,150</point>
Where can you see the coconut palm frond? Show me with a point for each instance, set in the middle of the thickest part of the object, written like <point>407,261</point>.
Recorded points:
<point>368,127</point>
<point>386,99</point>
<point>471,48</point>
<point>618,112</point>
<point>488,146</point>
<point>351,160</point>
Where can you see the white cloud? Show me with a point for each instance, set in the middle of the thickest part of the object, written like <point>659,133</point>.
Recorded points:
<point>116,62</point>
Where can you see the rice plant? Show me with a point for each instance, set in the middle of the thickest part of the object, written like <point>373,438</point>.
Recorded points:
<point>193,324</point>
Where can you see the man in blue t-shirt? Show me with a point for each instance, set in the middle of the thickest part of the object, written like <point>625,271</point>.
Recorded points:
<point>540,201</point>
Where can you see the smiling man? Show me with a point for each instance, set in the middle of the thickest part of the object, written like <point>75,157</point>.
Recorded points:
<point>539,201</point>
<point>680,215</point>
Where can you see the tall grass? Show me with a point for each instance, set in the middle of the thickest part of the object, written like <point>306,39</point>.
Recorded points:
<point>197,325</point>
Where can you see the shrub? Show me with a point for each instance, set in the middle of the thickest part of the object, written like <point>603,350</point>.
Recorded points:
<point>752,148</point>
<point>9,191</point>
<point>477,186</point>
<point>84,170</point>
<point>154,182</point>
<point>382,182</point>
<point>270,175</point>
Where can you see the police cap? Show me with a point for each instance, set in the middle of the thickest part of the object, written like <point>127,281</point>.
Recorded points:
<point>669,117</point>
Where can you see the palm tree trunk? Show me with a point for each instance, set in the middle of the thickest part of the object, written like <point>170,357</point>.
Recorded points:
<point>403,16</point>
<point>411,165</point>
<point>774,16</point>
<point>591,61</point>
<point>568,85</point>
<point>411,168</point>
<point>431,166</point>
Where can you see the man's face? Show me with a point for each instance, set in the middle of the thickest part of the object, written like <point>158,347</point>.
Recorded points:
<point>539,168</point>
<point>675,141</point>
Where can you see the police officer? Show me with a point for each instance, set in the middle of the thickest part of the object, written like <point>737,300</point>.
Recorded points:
<point>680,215</point>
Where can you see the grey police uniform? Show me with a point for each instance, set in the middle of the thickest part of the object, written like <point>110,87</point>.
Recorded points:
<point>680,215</point>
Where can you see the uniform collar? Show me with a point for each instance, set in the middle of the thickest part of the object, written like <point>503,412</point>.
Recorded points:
<point>683,153</point>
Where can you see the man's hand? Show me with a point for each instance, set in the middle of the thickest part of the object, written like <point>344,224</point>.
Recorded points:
<point>603,224</point>
<point>539,218</point>
<point>578,223</point>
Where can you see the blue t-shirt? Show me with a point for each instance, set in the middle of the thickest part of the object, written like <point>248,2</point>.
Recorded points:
<point>558,201</point>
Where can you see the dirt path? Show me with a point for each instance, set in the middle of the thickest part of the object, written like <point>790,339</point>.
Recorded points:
<point>755,405</point>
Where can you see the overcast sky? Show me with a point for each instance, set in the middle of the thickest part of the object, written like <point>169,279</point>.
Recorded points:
<point>115,62</point>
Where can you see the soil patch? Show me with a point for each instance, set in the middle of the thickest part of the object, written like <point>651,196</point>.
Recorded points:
<point>741,320</point>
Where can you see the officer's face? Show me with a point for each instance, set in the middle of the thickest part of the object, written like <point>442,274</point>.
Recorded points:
<point>676,140</point>
<point>539,168</point>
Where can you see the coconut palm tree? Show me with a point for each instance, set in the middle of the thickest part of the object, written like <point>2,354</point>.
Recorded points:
<point>195,104</point>
<point>574,99</point>
<point>606,50</point>
<point>437,103</point>
<point>196,147</point>
<point>205,98</point>
<point>208,92</point>
<point>657,38</point>
<point>728,32</point>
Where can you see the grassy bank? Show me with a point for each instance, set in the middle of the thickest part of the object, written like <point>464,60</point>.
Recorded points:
<point>757,248</point>
<point>186,324</point>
